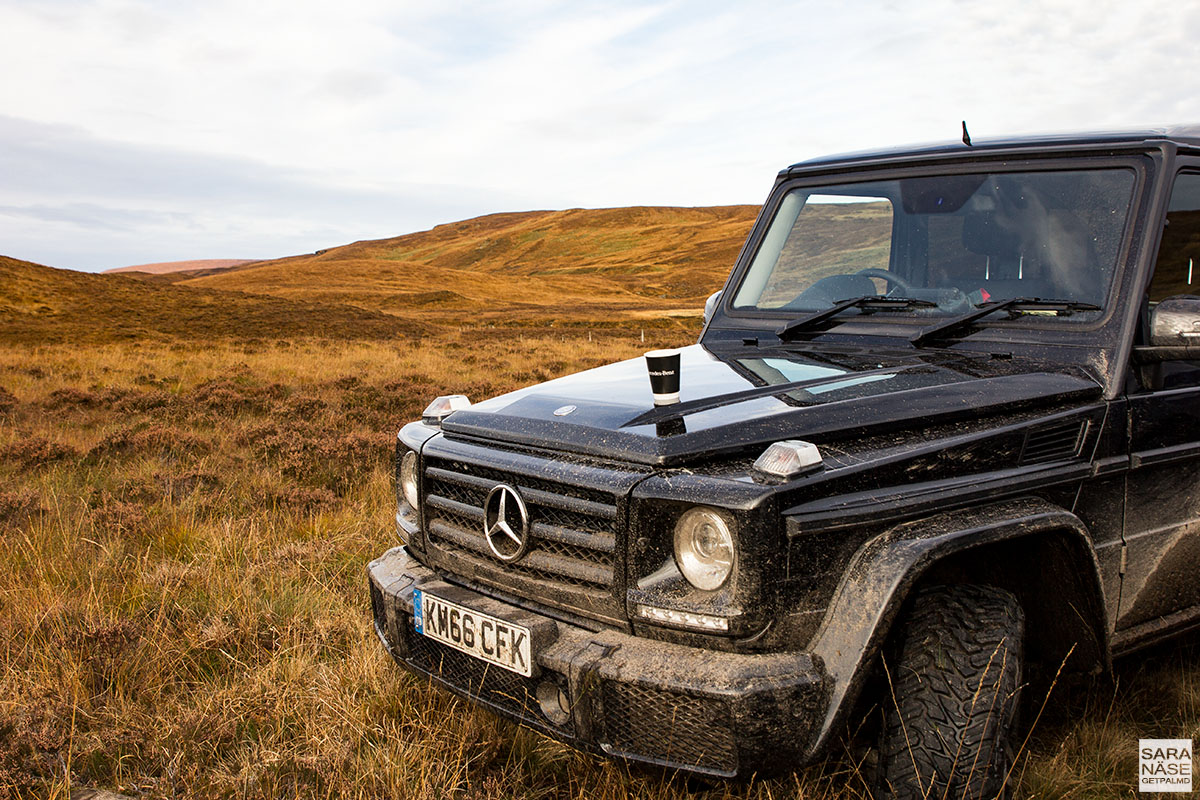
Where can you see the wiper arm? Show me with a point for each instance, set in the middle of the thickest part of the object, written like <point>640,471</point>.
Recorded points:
<point>866,303</point>
<point>951,327</point>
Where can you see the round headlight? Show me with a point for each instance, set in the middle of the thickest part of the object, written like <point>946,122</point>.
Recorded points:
<point>704,548</point>
<point>408,478</point>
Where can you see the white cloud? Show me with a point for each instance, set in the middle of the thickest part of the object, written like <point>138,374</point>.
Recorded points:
<point>71,199</point>
<point>426,109</point>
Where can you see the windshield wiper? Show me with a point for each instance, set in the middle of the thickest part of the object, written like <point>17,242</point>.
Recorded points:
<point>866,304</point>
<point>952,327</point>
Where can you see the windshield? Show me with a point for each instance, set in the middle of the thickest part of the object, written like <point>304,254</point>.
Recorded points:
<point>955,241</point>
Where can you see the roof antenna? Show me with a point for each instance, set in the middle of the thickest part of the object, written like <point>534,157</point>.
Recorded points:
<point>966,136</point>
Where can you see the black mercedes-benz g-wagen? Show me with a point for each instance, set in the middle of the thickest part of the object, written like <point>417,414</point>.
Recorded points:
<point>940,436</point>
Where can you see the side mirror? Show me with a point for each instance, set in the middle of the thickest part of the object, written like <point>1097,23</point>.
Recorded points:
<point>710,305</point>
<point>1175,322</point>
<point>1174,332</point>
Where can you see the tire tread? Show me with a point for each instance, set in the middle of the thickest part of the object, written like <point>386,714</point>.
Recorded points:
<point>954,695</point>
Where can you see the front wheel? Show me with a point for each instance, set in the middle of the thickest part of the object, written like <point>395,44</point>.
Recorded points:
<point>954,681</point>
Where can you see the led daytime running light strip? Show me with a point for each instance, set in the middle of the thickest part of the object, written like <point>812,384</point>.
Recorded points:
<point>704,622</point>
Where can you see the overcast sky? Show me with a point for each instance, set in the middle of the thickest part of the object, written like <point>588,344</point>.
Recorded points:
<point>135,131</point>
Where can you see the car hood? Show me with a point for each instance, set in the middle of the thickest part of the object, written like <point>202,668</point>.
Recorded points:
<point>744,398</point>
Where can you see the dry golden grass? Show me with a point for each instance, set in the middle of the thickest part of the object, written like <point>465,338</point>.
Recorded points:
<point>183,531</point>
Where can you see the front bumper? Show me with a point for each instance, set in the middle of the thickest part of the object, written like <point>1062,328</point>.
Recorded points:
<point>670,705</point>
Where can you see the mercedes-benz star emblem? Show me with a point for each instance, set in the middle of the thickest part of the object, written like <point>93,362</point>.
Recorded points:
<point>506,523</point>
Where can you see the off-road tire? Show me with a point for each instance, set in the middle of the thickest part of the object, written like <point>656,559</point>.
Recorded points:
<point>954,677</point>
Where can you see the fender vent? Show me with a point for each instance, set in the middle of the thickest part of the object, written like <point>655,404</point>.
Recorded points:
<point>1058,441</point>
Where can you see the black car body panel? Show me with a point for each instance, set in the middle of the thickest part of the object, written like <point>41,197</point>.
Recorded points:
<point>1052,451</point>
<point>765,394</point>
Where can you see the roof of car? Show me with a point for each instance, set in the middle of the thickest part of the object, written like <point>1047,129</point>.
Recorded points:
<point>1186,135</point>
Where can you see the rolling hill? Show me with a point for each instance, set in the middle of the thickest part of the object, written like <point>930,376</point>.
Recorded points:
<point>166,267</point>
<point>606,268</point>
<point>43,304</point>
<point>599,264</point>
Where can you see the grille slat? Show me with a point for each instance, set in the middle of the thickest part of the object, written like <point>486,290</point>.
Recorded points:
<point>455,507</point>
<point>444,475</point>
<point>458,537</point>
<point>569,567</point>
<point>577,505</point>
<point>592,541</point>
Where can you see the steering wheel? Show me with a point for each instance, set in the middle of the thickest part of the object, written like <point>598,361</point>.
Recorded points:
<point>889,277</point>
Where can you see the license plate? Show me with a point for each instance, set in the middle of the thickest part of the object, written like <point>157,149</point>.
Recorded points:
<point>488,638</point>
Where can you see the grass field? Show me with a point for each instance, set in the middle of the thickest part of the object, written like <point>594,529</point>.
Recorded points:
<point>184,532</point>
<point>186,512</point>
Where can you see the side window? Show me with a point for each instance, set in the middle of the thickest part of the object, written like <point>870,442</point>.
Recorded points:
<point>1177,270</point>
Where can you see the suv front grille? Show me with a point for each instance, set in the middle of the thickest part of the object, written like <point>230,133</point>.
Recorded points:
<point>573,531</point>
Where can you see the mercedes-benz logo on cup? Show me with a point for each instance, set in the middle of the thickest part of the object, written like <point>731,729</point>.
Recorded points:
<point>663,366</point>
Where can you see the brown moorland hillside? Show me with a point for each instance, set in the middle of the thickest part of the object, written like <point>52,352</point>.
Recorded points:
<point>198,265</point>
<point>604,264</point>
<point>43,304</point>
